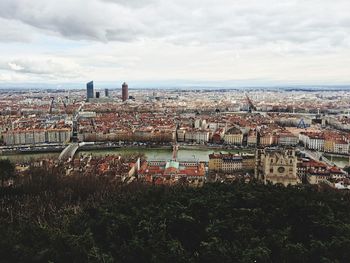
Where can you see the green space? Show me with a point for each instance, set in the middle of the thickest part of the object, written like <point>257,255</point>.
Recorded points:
<point>53,218</point>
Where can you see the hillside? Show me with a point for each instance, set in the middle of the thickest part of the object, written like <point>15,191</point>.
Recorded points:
<point>90,220</point>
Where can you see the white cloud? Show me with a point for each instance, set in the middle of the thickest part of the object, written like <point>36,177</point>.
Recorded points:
<point>43,68</point>
<point>191,20</point>
<point>176,39</point>
<point>15,31</point>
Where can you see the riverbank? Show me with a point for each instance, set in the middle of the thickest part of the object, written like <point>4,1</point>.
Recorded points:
<point>339,160</point>
<point>160,153</point>
<point>31,150</point>
<point>152,152</point>
<point>97,147</point>
<point>48,149</point>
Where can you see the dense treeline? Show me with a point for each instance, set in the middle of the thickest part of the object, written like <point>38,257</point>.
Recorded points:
<point>53,218</point>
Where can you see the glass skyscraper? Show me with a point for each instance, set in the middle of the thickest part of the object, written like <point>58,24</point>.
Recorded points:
<point>90,90</point>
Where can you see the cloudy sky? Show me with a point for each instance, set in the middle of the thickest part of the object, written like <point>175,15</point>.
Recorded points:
<point>164,41</point>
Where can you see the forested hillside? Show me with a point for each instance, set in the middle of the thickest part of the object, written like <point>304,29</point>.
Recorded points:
<point>90,220</point>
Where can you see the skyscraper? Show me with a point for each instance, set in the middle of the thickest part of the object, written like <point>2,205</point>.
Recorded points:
<point>125,94</point>
<point>90,90</point>
<point>106,93</point>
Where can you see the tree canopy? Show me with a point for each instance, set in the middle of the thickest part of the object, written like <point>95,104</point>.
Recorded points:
<point>88,220</point>
<point>7,171</point>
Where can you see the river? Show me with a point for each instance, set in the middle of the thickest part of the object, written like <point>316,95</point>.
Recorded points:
<point>340,161</point>
<point>151,154</point>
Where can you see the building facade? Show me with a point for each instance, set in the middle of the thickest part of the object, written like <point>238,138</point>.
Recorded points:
<point>234,136</point>
<point>277,165</point>
<point>90,90</point>
<point>125,92</point>
<point>37,136</point>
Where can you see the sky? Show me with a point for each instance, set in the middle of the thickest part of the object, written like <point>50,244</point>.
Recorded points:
<point>165,42</point>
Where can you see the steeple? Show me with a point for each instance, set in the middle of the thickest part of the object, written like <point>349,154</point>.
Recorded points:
<point>175,149</point>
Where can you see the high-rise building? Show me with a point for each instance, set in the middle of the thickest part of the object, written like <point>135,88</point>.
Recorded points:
<point>90,90</point>
<point>125,93</point>
<point>97,94</point>
<point>106,93</point>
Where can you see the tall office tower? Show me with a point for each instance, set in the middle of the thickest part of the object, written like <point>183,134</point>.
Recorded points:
<point>90,90</point>
<point>97,94</point>
<point>125,94</point>
<point>106,93</point>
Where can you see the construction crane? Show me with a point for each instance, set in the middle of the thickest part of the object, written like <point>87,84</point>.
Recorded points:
<point>75,120</point>
<point>51,104</point>
<point>251,106</point>
<point>93,124</point>
<point>64,102</point>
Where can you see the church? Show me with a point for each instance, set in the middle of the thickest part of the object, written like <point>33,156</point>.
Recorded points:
<point>277,165</point>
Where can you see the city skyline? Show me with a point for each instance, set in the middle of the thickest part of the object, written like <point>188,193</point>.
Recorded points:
<point>174,131</point>
<point>199,43</point>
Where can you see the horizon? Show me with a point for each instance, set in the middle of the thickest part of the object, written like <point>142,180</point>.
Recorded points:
<point>175,131</point>
<point>241,43</point>
<point>137,85</point>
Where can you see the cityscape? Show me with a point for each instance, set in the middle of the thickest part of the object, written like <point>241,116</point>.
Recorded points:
<point>220,132</point>
<point>174,131</point>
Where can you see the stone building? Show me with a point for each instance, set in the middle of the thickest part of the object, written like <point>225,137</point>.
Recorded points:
<point>228,163</point>
<point>234,136</point>
<point>277,165</point>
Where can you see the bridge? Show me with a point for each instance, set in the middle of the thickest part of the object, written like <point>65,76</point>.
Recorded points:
<point>70,150</point>
<point>295,114</point>
<point>317,156</point>
<point>325,181</point>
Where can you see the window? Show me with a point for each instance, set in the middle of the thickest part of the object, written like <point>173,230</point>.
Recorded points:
<point>281,169</point>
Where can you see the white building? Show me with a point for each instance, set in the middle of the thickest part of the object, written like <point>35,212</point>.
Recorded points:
<point>313,141</point>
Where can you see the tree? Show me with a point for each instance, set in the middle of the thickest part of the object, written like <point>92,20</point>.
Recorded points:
<point>7,171</point>
<point>347,169</point>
